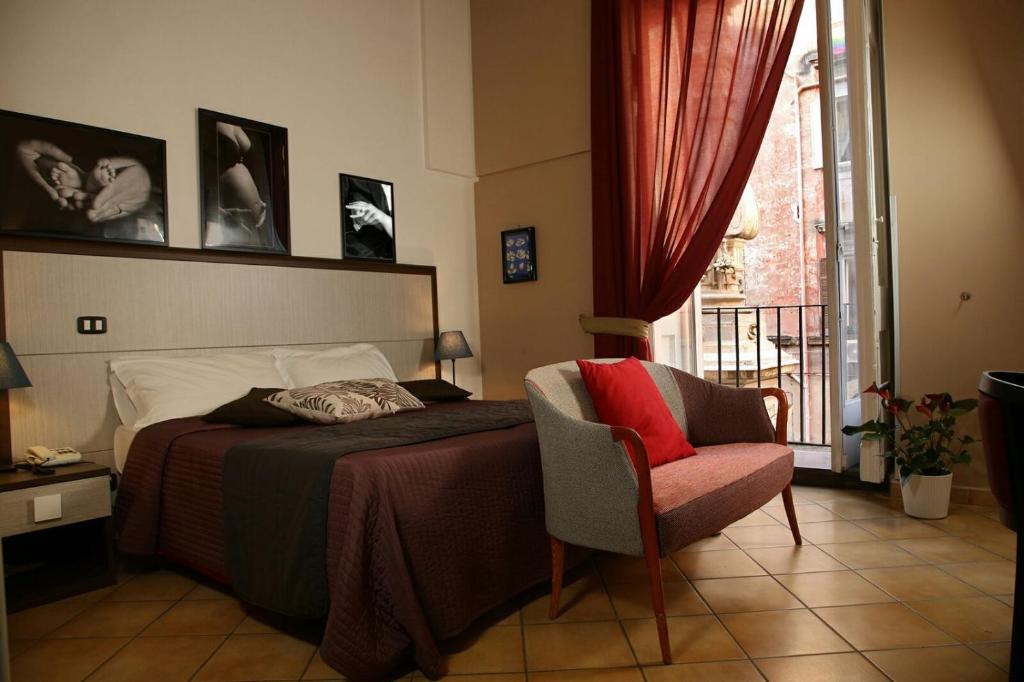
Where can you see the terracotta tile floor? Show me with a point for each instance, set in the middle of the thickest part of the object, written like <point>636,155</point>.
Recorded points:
<point>871,595</point>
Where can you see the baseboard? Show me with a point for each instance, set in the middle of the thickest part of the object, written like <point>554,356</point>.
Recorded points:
<point>979,497</point>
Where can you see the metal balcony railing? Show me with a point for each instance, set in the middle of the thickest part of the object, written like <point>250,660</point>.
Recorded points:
<point>784,345</point>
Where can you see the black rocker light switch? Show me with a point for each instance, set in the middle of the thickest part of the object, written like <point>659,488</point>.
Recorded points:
<point>92,325</point>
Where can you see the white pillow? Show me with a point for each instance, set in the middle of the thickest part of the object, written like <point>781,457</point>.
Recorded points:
<point>122,403</point>
<point>341,402</point>
<point>169,388</point>
<point>301,368</point>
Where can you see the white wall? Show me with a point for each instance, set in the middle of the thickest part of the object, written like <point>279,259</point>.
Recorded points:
<point>959,200</point>
<point>346,77</point>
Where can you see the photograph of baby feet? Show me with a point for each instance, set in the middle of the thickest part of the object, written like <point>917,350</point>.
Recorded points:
<point>64,179</point>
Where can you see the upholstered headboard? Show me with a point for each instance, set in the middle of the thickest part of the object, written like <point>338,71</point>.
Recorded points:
<point>168,301</point>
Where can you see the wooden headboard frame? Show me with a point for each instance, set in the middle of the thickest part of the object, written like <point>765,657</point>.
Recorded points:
<point>10,243</point>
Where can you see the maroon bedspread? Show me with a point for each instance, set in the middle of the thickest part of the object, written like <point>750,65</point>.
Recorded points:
<point>466,515</point>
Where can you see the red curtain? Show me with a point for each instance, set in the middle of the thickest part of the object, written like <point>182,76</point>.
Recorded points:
<point>682,91</point>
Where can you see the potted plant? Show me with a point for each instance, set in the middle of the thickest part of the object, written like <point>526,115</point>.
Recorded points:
<point>925,445</point>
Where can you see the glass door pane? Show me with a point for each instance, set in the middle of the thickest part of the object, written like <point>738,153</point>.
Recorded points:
<point>846,231</point>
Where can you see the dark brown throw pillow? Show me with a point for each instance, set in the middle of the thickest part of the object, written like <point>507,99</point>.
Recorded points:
<point>252,410</point>
<point>434,390</point>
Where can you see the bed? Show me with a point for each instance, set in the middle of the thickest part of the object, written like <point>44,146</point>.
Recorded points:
<point>421,540</point>
<point>165,303</point>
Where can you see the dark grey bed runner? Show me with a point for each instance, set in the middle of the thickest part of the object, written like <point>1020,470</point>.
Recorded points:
<point>276,494</point>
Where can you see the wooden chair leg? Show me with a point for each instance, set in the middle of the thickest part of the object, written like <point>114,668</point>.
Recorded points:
<point>557,572</point>
<point>787,499</point>
<point>658,601</point>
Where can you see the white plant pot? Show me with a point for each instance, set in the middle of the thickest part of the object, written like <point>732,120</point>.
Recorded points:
<point>927,497</point>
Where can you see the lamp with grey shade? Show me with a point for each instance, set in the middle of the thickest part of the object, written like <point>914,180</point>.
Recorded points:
<point>12,375</point>
<point>451,346</point>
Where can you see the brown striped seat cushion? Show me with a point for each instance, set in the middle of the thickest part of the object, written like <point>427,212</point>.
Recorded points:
<point>698,496</point>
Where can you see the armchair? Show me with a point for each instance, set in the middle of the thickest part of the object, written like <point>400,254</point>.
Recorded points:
<point>600,491</point>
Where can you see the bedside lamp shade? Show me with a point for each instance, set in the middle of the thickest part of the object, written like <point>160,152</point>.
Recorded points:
<point>451,346</point>
<point>12,374</point>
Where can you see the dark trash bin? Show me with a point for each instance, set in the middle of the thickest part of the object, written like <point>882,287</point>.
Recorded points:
<point>1001,416</point>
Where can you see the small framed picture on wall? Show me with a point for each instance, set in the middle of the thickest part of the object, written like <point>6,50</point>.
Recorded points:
<point>74,181</point>
<point>367,218</point>
<point>243,184</point>
<point>519,255</point>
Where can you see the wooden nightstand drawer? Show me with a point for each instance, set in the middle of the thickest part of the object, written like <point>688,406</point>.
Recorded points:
<point>80,500</point>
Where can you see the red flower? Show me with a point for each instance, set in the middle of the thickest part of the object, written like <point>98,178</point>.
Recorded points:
<point>883,393</point>
<point>924,410</point>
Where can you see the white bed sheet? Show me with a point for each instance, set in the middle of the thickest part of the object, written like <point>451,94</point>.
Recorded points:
<point>123,437</point>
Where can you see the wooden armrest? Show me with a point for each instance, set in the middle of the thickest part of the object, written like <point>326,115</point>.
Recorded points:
<point>641,465</point>
<point>782,419</point>
<point>636,449</point>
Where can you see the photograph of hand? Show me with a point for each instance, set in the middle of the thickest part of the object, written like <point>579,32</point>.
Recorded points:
<point>65,179</point>
<point>367,218</point>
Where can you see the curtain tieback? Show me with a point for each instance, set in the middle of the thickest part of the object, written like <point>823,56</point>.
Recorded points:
<point>617,326</point>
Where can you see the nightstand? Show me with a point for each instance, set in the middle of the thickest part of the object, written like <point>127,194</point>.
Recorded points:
<point>57,535</point>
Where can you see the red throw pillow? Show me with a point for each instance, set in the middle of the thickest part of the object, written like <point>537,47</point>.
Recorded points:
<point>624,394</point>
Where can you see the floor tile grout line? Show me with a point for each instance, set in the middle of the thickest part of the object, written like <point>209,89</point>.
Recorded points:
<point>809,544</point>
<point>129,639</point>
<point>984,592</point>
<point>834,653</point>
<point>973,644</point>
<point>970,539</point>
<point>47,633</point>
<point>622,628</point>
<point>718,620</point>
<point>875,666</point>
<point>953,537</point>
<point>955,642</point>
<point>225,639</point>
<point>850,644</point>
<point>901,600</point>
<point>309,661</point>
<point>108,658</point>
<point>522,631</point>
<point>938,627</point>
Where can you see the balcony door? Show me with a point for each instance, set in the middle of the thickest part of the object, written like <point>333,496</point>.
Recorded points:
<point>793,297</point>
<point>856,222</point>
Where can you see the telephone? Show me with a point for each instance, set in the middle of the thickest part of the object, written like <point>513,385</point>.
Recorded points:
<point>40,455</point>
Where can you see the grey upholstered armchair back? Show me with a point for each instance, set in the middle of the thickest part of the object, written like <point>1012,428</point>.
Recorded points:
<point>590,486</point>
<point>563,386</point>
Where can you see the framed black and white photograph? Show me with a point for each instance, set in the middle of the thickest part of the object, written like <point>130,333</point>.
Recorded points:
<point>243,180</point>
<point>519,255</point>
<point>367,218</point>
<point>74,181</point>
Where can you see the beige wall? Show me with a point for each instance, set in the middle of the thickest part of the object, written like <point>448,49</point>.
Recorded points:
<point>955,165</point>
<point>531,77</point>
<point>960,214</point>
<point>364,86</point>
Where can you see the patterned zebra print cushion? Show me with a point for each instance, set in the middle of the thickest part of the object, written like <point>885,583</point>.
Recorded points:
<point>338,402</point>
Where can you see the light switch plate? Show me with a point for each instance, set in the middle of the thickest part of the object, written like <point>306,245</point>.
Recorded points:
<point>46,508</point>
<point>92,324</point>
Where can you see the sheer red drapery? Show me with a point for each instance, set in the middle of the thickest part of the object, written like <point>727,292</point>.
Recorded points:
<point>682,91</point>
